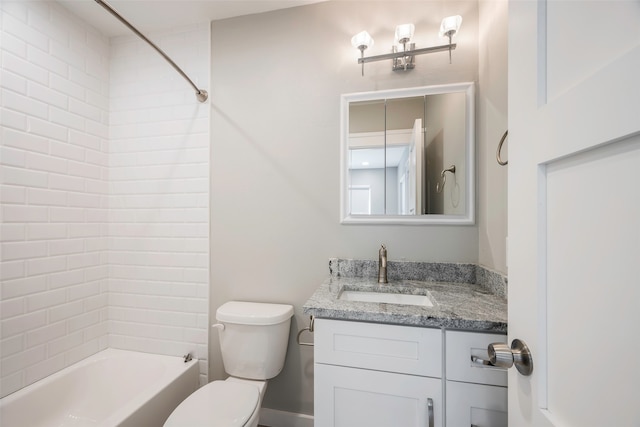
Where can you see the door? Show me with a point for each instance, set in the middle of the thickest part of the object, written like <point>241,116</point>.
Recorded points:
<point>360,199</point>
<point>574,211</point>
<point>416,173</point>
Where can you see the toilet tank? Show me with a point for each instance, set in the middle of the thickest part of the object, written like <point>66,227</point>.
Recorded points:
<point>254,339</point>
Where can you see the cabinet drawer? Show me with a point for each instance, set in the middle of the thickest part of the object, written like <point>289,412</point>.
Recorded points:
<point>476,405</point>
<point>459,367</point>
<point>391,348</point>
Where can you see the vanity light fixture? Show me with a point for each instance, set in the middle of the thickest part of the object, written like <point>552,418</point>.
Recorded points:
<point>449,27</point>
<point>361,41</point>
<point>404,52</point>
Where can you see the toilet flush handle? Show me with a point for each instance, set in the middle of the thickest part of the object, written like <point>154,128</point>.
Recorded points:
<point>218,326</point>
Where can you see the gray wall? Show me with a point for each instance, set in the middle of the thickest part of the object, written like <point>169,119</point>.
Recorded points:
<point>446,146</point>
<point>491,123</point>
<point>276,84</point>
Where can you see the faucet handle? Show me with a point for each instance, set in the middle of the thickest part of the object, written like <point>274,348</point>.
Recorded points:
<point>382,255</point>
<point>382,264</point>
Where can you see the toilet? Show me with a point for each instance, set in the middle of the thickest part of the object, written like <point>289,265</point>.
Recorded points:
<point>253,341</point>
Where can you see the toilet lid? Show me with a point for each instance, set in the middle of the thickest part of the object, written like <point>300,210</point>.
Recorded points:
<point>217,404</point>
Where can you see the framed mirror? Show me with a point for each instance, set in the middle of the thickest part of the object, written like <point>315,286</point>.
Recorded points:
<point>408,156</point>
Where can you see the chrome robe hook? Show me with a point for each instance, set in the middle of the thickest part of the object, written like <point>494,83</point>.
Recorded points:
<point>443,175</point>
<point>498,157</point>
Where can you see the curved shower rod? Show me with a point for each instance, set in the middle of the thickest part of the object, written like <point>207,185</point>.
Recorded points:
<point>201,94</point>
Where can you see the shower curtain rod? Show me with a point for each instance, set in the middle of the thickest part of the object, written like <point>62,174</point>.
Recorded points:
<point>201,94</point>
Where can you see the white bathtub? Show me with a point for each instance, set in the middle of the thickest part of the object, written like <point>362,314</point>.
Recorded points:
<point>111,388</point>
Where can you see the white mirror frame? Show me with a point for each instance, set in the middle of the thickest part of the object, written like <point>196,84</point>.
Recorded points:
<point>431,219</point>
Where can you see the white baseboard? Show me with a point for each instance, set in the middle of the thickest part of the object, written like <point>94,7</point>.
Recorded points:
<point>275,418</point>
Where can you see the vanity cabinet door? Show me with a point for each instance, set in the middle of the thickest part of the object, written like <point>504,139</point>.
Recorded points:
<point>348,397</point>
<point>476,405</point>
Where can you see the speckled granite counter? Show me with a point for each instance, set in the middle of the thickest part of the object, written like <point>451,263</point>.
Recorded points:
<point>459,301</point>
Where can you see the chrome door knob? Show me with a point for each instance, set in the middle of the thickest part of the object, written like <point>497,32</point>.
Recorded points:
<point>500,355</point>
<point>503,356</point>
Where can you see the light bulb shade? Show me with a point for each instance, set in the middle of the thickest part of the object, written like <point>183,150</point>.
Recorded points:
<point>450,25</point>
<point>404,32</point>
<point>362,40</point>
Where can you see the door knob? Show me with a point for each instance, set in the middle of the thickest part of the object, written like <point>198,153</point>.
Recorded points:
<point>503,356</point>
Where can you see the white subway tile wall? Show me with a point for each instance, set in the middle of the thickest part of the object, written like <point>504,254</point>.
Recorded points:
<point>55,94</point>
<point>90,261</point>
<point>159,196</point>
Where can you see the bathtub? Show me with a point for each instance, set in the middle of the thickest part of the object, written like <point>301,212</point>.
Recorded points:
<point>111,388</point>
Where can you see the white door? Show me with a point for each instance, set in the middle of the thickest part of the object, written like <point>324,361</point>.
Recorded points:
<point>416,173</point>
<point>574,211</point>
<point>360,199</point>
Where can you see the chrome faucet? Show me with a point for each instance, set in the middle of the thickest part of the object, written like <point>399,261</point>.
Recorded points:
<point>382,264</point>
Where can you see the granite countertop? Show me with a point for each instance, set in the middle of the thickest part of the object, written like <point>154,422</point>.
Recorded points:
<point>465,306</point>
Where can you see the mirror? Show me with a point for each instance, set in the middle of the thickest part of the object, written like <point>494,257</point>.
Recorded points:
<point>407,156</point>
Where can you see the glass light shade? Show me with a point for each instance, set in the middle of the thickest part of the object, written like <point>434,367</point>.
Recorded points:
<point>362,39</point>
<point>404,32</point>
<point>450,23</point>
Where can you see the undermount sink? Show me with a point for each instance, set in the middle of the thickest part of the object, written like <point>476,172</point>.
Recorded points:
<point>385,297</point>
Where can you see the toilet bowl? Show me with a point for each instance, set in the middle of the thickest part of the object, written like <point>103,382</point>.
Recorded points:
<point>253,341</point>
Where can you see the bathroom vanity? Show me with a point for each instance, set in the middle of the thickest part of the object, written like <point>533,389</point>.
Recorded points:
<point>422,362</point>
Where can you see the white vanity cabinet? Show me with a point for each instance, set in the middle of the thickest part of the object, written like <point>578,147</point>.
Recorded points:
<point>476,394</point>
<point>375,375</point>
<point>378,375</point>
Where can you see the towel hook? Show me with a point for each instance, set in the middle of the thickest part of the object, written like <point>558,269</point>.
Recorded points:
<point>308,328</point>
<point>451,169</point>
<point>498,158</point>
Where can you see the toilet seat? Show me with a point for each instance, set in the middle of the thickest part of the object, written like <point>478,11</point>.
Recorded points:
<point>217,404</point>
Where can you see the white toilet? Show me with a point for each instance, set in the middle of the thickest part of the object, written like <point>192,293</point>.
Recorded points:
<point>253,340</point>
